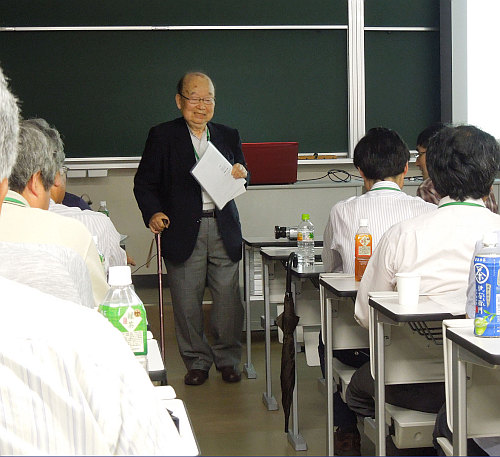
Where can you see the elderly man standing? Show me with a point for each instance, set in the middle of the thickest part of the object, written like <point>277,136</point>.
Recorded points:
<point>462,163</point>
<point>24,215</point>
<point>70,383</point>
<point>200,243</point>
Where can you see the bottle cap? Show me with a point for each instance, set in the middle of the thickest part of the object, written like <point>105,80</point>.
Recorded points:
<point>490,239</point>
<point>103,203</point>
<point>120,276</point>
<point>305,217</point>
<point>363,222</point>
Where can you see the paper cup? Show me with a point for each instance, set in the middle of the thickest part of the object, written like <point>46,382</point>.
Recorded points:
<point>408,285</point>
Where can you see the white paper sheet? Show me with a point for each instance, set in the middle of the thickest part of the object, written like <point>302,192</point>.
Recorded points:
<point>213,173</point>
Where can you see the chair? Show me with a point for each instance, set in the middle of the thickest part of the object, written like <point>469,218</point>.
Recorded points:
<point>52,269</point>
<point>413,354</point>
<point>482,390</point>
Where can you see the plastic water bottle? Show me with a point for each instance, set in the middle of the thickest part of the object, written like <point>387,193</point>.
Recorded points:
<point>101,255</point>
<point>486,272</point>
<point>305,242</point>
<point>103,208</point>
<point>125,310</point>
<point>362,249</point>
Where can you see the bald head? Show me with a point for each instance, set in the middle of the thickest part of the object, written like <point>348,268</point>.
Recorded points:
<point>189,75</point>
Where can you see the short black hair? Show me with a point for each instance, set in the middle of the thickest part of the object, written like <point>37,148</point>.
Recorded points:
<point>425,135</point>
<point>462,162</point>
<point>381,154</point>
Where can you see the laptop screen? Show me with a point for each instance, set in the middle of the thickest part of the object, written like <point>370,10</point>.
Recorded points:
<point>271,163</point>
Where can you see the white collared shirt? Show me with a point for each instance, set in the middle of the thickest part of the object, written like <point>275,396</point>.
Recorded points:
<point>71,385</point>
<point>384,205</point>
<point>438,245</point>
<point>99,225</point>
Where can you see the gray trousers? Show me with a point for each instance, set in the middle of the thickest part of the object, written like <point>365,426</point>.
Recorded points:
<point>209,265</point>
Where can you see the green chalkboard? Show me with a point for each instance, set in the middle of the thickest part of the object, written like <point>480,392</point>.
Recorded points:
<point>103,90</point>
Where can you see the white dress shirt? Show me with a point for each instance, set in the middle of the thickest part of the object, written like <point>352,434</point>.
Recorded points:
<point>437,245</point>
<point>50,268</point>
<point>71,385</point>
<point>99,225</point>
<point>384,205</point>
<point>20,223</point>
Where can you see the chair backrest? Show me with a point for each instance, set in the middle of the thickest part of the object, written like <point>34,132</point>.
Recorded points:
<point>52,269</point>
<point>411,354</point>
<point>483,391</point>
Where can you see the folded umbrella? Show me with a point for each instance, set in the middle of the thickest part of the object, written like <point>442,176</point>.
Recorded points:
<point>287,321</point>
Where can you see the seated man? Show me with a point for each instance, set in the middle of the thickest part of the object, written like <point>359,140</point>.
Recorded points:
<point>381,157</point>
<point>426,190</point>
<point>100,226</point>
<point>62,392</point>
<point>462,163</point>
<point>24,215</point>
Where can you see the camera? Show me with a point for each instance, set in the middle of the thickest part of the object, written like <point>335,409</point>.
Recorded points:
<point>285,232</point>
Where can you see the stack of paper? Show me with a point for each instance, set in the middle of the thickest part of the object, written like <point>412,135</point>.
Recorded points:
<point>213,173</point>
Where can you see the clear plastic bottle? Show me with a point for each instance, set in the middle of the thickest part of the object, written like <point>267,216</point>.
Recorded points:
<point>125,310</point>
<point>101,256</point>
<point>487,277</point>
<point>305,242</point>
<point>103,208</point>
<point>362,249</point>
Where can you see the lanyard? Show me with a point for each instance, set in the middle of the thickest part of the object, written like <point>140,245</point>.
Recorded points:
<point>461,203</point>
<point>194,149</point>
<point>386,188</point>
<point>14,200</point>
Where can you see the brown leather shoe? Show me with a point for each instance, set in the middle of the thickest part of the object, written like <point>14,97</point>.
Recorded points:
<point>195,377</point>
<point>347,443</point>
<point>229,374</point>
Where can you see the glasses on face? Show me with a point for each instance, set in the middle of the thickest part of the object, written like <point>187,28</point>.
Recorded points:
<point>198,100</point>
<point>63,170</point>
<point>420,154</point>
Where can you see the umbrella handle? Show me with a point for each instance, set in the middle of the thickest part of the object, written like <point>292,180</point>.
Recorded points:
<point>292,260</point>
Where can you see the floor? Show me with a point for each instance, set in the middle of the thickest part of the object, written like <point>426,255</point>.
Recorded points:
<point>231,419</point>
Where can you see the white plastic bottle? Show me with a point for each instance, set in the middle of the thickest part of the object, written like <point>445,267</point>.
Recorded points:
<point>305,242</point>
<point>103,208</point>
<point>104,263</point>
<point>125,310</point>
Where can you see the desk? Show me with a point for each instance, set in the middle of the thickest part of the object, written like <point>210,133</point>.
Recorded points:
<point>252,269</point>
<point>467,349</point>
<point>387,310</point>
<point>178,409</point>
<point>340,285</point>
<point>299,274</point>
<point>270,255</point>
<point>156,368</point>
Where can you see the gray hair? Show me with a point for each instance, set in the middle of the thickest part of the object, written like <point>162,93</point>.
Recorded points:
<point>52,136</point>
<point>35,154</point>
<point>9,128</point>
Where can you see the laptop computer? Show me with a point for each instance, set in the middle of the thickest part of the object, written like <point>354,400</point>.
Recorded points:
<point>271,163</point>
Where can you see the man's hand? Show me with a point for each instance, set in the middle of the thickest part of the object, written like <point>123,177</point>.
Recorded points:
<point>238,171</point>
<point>158,222</point>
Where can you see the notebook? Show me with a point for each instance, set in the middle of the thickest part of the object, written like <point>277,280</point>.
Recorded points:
<point>271,163</point>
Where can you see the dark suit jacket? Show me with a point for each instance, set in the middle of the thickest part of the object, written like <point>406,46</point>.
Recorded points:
<point>163,182</point>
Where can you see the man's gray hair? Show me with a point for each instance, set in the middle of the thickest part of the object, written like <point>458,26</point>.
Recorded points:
<point>9,128</point>
<point>35,154</point>
<point>52,136</point>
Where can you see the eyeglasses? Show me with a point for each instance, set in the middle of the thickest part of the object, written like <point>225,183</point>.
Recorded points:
<point>64,169</point>
<point>420,154</point>
<point>197,101</point>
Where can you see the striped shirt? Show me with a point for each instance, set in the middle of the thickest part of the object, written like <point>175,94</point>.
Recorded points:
<point>384,205</point>
<point>53,269</point>
<point>99,225</point>
<point>71,385</point>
